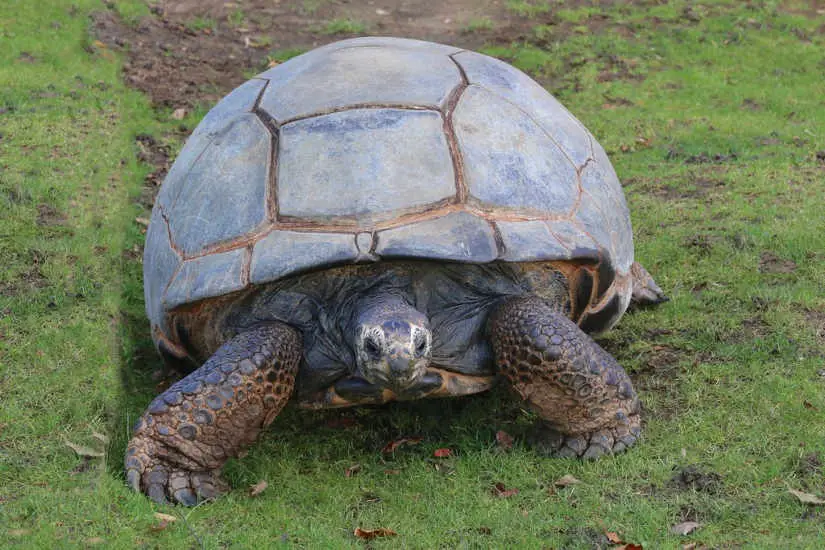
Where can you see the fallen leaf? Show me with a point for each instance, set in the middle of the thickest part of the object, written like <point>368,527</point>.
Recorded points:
<point>613,537</point>
<point>806,498</point>
<point>352,470</point>
<point>504,440</point>
<point>258,488</point>
<point>99,44</point>
<point>369,534</point>
<point>142,221</point>
<point>160,526</point>
<point>179,113</point>
<point>166,517</point>
<point>684,528</point>
<point>500,491</point>
<point>485,530</point>
<point>272,63</point>
<point>629,546</point>
<point>566,481</point>
<point>442,453</point>
<point>393,445</point>
<point>84,451</point>
<point>392,472</point>
<point>809,405</point>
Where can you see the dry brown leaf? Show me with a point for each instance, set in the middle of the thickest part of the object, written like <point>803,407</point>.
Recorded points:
<point>500,491</point>
<point>443,453</point>
<point>84,451</point>
<point>179,114</point>
<point>142,221</point>
<point>99,44</point>
<point>629,546</point>
<point>504,440</point>
<point>165,517</point>
<point>160,526</point>
<point>684,528</point>
<point>258,488</point>
<point>352,470</point>
<point>369,534</point>
<point>566,481</point>
<point>613,537</point>
<point>806,498</point>
<point>392,472</point>
<point>393,445</point>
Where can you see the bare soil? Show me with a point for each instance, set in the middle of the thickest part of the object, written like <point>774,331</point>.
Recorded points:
<point>193,52</point>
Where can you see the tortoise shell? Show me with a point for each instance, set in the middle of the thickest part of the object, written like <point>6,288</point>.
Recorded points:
<point>384,148</point>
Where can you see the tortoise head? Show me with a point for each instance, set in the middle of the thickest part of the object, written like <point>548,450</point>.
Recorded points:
<point>392,342</point>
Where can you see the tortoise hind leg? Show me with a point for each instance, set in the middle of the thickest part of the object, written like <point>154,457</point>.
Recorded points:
<point>585,399</point>
<point>645,290</point>
<point>189,431</point>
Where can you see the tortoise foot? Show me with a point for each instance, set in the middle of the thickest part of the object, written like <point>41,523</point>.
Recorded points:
<point>550,442</point>
<point>167,483</point>
<point>188,432</point>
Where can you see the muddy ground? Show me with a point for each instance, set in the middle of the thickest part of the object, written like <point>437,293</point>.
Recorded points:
<point>193,52</point>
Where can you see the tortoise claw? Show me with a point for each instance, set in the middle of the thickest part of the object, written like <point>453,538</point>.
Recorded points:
<point>548,441</point>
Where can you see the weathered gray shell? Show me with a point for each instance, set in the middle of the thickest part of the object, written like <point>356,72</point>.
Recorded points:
<point>378,148</point>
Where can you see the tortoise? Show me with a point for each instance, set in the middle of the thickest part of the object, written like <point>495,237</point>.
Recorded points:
<point>383,219</point>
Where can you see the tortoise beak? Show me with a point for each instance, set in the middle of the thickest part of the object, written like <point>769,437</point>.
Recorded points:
<point>404,370</point>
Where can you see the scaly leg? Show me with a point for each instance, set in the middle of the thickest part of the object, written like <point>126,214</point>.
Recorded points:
<point>189,431</point>
<point>584,397</point>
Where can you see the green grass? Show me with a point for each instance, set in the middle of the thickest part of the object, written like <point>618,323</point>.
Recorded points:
<point>343,26</point>
<point>727,371</point>
<point>203,23</point>
<point>479,24</point>
<point>529,8</point>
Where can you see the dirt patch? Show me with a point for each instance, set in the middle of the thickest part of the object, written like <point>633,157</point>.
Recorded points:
<point>695,478</point>
<point>157,155</point>
<point>706,158</point>
<point>810,465</point>
<point>618,68</point>
<point>48,215</point>
<point>816,320</point>
<point>193,52</point>
<point>663,358</point>
<point>30,279</point>
<point>771,263</point>
<point>707,186</point>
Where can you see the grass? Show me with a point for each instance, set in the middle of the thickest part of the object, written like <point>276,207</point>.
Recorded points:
<point>715,134</point>
<point>479,24</point>
<point>206,23</point>
<point>528,8</point>
<point>343,26</point>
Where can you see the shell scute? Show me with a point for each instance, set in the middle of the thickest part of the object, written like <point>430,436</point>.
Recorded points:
<point>231,178</point>
<point>363,163</point>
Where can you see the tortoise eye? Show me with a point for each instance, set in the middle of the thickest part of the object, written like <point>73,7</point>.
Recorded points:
<point>372,348</point>
<point>421,345</point>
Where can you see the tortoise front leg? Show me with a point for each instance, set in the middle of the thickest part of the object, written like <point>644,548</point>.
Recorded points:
<point>584,397</point>
<point>189,431</point>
